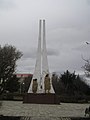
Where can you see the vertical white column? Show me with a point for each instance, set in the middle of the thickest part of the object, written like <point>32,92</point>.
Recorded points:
<point>45,69</point>
<point>37,71</point>
<point>44,55</point>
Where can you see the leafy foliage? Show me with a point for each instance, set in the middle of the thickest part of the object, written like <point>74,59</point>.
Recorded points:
<point>8,57</point>
<point>12,85</point>
<point>81,86</point>
<point>67,79</point>
<point>86,67</point>
<point>57,84</point>
<point>70,84</point>
<point>27,82</point>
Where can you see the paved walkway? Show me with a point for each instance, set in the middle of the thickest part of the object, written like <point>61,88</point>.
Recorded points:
<point>15,108</point>
<point>44,118</point>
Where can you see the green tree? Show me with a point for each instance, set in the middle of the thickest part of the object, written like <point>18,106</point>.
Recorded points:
<point>69,84</point>
<point>27,82</point>
<point>12,85</point>
<point>81,86</point>
<point>57,84</point>
<point>68,81</point>
<point>8,57</point>
<point>86,67</point>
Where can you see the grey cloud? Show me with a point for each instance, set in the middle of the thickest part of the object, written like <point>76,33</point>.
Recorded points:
<point>52,52</point>
<point>25,65</point>
<point>31,53</point>
<point>28,56</point>
<point>25,69</point>
<point>84,48</point>
<point>68,37</point>
<point>6,4</point>
<point>88,2</point>
<point>70,60</point>
<point>67,26</point>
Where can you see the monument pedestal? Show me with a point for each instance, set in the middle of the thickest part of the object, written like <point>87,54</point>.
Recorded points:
<point>41,98</point>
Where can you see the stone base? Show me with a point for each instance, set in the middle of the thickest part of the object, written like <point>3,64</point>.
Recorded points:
<point>41,98</point>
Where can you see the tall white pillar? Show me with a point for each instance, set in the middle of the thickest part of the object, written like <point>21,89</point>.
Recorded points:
<point>41,67</point>
<point>37,71</point>
<point>45,68</point>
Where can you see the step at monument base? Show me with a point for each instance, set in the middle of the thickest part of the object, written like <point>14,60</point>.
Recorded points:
<point>41,98</point>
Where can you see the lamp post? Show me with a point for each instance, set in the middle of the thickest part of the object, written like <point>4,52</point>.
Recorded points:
<point>21,83</point>
<point>20,88</point>
<point>23,87</point>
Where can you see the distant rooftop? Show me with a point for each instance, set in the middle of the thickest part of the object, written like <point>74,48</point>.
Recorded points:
<point>23,74</point>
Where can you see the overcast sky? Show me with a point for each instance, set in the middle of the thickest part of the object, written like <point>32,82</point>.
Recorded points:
<point>67,30</point>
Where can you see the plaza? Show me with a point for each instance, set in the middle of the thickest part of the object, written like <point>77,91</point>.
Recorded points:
<point>17,108</point>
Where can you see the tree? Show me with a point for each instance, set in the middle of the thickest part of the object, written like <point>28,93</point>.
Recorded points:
<point>8,57</point>
<point>68,81</point>
<point>12,85</point>
<point>54,81</point>
<point>81,86</point>
<point>27,82</point>
<point>86,67</point>
<point>57,84</point>
<point>69,84</point>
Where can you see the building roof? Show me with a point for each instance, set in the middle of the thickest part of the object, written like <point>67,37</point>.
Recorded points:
<point>23,75</point>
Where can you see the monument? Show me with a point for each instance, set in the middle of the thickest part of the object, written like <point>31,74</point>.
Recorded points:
<point>41,89</point>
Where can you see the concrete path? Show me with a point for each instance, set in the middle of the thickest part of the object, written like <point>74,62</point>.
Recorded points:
<point>15,108</point>
<point>44,118</point>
